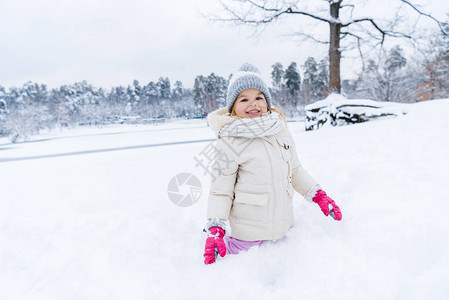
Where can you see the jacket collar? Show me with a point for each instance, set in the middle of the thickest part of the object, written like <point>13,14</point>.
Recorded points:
<point>218,119</point>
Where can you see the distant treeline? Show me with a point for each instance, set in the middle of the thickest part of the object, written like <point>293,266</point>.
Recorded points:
<point>26,110</point>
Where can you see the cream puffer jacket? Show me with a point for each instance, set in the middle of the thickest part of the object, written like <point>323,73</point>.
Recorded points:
<point>253,181</point>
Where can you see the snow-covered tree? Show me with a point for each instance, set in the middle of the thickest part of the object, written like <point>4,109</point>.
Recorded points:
<point>3,112</point>
<point>315,81</point>
<point>277,76</point>
<point>28,111</point>
<point>347,24</point>
<point>59,108</point>
<point>393,79</point>
<point>279,90</point>
<point>322,81</point>
<point>132,106</point>
<point>153,99</point>
<point>387,79</point>
<point>117,100</point>
<point>209,92</point>
<point>164,87</point>
<point>435,78</point>
<point>178,91</point>
<point>199,93</point>
<point>293,83</point>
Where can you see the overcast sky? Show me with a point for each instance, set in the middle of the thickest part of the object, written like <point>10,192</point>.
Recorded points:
<point>113,42</point>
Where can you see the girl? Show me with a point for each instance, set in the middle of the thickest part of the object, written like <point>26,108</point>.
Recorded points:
<point>256,171</point>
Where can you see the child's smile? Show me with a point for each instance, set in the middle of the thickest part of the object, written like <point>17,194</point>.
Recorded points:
<point>250,103</point>
<point>253,112</point>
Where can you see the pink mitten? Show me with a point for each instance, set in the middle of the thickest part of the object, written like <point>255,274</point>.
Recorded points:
<point>323,202</point>
<point>214,239</point>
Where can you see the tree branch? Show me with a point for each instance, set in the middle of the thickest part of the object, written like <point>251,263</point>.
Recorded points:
<point>350,34</point>
<point>351,6</point>
<point>359,46</point>
<point>262,7</point>
<point>309,36</point>
<point>290,11</point>
<point>383,32</point>
<point>277,12</point>
<point>440,24</point>
<point>245,20</point>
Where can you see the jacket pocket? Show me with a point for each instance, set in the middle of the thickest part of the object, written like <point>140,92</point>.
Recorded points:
<point>251,205</point>
<point>250,198</point>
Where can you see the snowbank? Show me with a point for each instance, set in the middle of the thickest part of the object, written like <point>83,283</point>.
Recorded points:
<point>338,110</point>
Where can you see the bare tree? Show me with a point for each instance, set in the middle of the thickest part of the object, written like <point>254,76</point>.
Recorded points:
<point>339,17</point>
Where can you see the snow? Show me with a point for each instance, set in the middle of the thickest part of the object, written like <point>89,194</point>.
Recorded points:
<point>337,100</point>
<point>338,110</point>
<point>99,225</point>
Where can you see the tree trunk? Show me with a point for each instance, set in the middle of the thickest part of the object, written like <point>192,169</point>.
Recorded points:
<point>334,48</point>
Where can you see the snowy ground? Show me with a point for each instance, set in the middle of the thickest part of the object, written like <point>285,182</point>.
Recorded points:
<point>85,215</point>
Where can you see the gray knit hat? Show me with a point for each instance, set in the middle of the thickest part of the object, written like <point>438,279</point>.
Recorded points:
<point>248,76</point>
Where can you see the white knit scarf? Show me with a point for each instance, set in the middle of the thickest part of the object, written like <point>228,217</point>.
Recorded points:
<point>268,124</point>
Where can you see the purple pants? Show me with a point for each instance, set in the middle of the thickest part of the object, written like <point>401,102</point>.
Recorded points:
<point>234,246</point>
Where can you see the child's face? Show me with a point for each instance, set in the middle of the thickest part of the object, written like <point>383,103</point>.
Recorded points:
<point>250,103</point>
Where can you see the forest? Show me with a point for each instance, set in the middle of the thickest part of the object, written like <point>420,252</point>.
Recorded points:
<point>390,75</point>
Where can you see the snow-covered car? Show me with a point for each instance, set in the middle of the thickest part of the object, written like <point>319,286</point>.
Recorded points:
<point>337,110</point>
